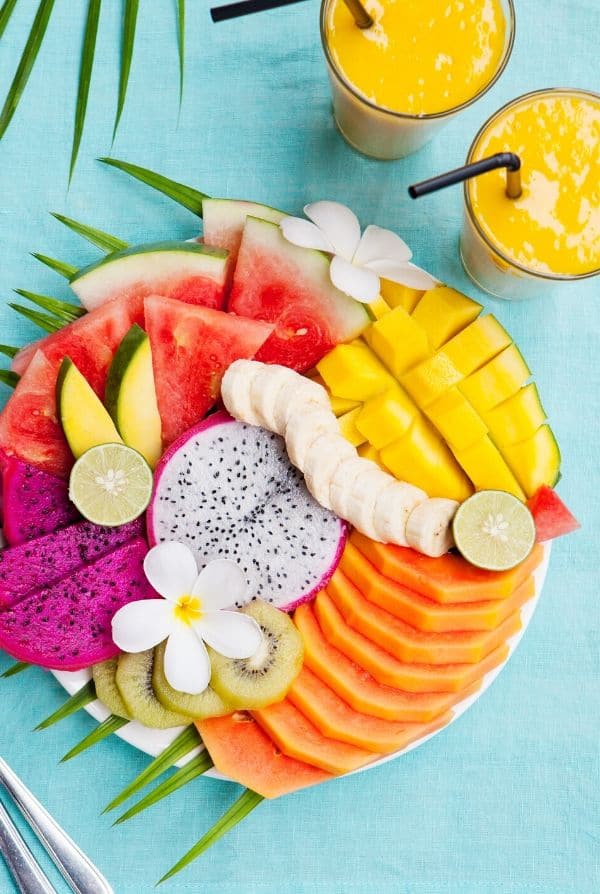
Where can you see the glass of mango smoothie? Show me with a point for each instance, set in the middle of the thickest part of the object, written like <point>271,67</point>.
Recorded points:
<point>398,82</point>
<point>519,248</point>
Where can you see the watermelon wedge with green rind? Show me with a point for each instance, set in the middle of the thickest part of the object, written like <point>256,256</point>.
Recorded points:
<point>290,286</point>
<point>224,221</point>
<point>188,271</point>
<point>191,350</point>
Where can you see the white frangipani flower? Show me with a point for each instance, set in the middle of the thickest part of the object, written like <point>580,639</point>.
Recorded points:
<point>357,261</point>
<point>192,612</point>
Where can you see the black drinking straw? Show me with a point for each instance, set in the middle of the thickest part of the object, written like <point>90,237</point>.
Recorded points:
<point>245,7</point>
<point>508,160</point>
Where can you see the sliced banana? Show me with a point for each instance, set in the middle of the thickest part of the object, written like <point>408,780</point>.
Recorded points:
<point>429,526</point>
<point>362,497</point>
<point>303,394</point>
<point>322,459</point>
<point>393,506</point>
<point>264,391</point>
<point>303,428</point>
<point>236,390</point>
<point>342,482</point>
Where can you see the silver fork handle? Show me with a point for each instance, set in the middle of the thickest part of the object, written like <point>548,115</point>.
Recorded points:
<point>21,863</point>
<point>77,870</point>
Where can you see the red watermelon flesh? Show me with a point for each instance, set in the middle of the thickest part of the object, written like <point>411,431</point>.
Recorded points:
<point>551,516</point>
<point>191,349</point>
<point>290,286</point>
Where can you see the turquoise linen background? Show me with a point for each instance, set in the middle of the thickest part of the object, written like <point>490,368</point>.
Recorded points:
<point>506,800</point>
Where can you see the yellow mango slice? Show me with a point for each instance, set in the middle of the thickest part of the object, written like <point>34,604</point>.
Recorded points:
<point>535,461</point>
<point>517,418</point>
<point>421,458</point>
<point>398,341</point>
<point>367,451</point>
<point>348,428</point>
<point>497,380</point>
<point>487,469</point>
<point>354,372</point>
<point>456,420</point>
<point>396,295</point>
<point>477,344</point>
<point>443,312</point>
<point>386,417</point>
<point>378,308</point>
<point>430,379</point>
<point>339,405</point>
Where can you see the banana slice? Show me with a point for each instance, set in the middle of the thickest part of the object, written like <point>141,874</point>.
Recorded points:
<point>322,459</point>
<point>264,391</point>
<point>362,497</point>
<point>304,427</point>
<point>291,399</point>
<point>342,483</point>
<point>236,390</point>
<point>429,526</point>
<point>393,506</point>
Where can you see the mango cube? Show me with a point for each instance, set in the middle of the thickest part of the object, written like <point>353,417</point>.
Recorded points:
<point>456,420</point>
<point>339,405</point>
<point>421,458</point>
<point>354,372</point>
<point>348,428</point>
<point>386,417</point>
<point>517,418</point>
<point>378,308</point>
<point>498,380</point>
<point>396,295</point>
<point>477,344</point>
<point>430,379</point>
<point>486,468</point>
<point>369,452</point>
<point>442,312</point>
<point>535,461</point>
<point>398,341</point>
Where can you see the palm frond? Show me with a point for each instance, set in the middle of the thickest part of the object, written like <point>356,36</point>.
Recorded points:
<point>76,702</point>
<point>9,378</point>
<point>44,321</point>
<point>196,767</point>
<point>129,26</point>
<point>101,732</point>
<point>186,196</point>
<point>181,44</point>
<point>61,309</point>
<point>182,745</point>
<point>15,669</point>
<point>25,67</point>
<point>85,75</point>
<point>9,350</point>
<point>104,241</point>
<point>60,267</point>
<point>5,14</point>
<point>247,801</point>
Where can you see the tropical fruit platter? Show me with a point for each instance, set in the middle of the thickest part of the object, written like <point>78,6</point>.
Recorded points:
<point>277,504</point>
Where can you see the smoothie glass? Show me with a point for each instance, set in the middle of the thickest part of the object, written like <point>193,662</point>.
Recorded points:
<point>490,266</point>
<point>380,132</point>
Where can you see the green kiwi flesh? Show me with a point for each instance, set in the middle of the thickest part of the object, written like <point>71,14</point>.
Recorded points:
<point>106,688</point>
<point>134,681</point>
<point>200,707</point>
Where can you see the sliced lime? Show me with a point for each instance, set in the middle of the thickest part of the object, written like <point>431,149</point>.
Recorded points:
<point>111,484</point>
<point>494,530</point>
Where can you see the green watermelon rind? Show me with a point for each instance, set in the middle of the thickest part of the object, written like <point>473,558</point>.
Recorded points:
<point>197,248</point>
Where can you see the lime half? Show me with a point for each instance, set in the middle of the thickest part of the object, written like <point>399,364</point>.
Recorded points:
<point>111,484</point>
<point>494,530</point>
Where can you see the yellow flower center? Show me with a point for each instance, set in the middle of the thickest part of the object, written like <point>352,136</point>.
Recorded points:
<point>188,609</point>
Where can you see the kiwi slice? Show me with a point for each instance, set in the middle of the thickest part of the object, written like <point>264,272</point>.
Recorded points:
<point>106,688</point>
<point>266,676</point>
<point>200,707</point>
<point>134,681</point>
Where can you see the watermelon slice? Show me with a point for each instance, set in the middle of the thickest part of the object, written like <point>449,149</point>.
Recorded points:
<point>224,221</point>
<point>290,286</point>
<point>551,516</point>
<point>188,271</point>
<point>191,349</point>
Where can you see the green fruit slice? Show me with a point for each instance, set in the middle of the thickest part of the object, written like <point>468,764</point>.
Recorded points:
<point>131,396</point>
<point>111,484</point>
<point>494,530</point>
<point>106,687</point>
<point>199,707</point>
<point>264,678</point>
<point>85,421</point>
<point>134,681</point>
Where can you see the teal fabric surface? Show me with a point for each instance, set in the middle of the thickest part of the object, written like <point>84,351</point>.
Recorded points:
<point>506,800</point>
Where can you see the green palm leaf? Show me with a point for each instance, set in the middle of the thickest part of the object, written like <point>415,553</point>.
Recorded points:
<point>101,732</point>
<point>184,195</point>
<point>5,14</point>
<point>182,745</point>
<point>247,801</point>
<point>8,378</point>
<point>61,309</point>
<point>129,26</point>
<point>32,47</point>
<point>78,700</point>
<point>44,321</point>
<point>85,75</point>
<point>181,44</point>
<point>9,350</point>
<point>60,267</point>
<point>104,241</point>
<point>198,765</point>
<point>15,669</point>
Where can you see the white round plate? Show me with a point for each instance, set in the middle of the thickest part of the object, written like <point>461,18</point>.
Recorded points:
<point>153,741</point>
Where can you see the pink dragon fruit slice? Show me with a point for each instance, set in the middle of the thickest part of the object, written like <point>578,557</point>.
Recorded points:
<point>67,625</point>
<point>45,560</point>
<point>33,502</point>
<point>228,490</point>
